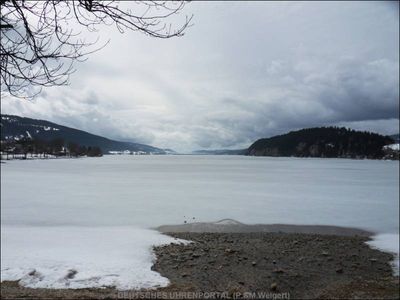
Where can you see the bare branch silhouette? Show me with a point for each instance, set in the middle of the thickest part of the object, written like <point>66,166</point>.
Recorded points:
<point>40,41</point>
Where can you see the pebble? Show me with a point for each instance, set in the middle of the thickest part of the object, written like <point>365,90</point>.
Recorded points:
<point>278,271</point>
<point>340,270</point>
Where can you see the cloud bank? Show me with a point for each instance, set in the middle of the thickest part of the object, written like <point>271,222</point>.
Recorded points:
<point>243,71</point>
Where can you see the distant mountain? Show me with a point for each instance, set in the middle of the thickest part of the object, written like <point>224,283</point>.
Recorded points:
<point>16,128</point>
<point>323,142</point>
<point>220,152</point>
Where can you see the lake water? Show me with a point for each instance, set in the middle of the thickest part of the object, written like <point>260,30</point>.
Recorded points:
<point>55,210</point>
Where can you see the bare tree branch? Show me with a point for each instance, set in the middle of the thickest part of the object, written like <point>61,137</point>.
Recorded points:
<point>39,44</point>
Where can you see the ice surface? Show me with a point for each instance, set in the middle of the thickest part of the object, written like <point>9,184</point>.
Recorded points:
<point>149,191</point>
<point>78,257</point>
<point>95,195</point>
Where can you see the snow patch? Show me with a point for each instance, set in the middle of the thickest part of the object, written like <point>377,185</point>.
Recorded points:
<point>388,242</point>
<point>79,257</point>
<point>395,147</point>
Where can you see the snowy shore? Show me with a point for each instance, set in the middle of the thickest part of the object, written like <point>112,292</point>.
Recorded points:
<point>312,265</point>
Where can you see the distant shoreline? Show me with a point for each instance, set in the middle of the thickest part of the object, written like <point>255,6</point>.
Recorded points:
<point>20,157</point>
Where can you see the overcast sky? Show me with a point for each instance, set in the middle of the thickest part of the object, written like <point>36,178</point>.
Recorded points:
<point>243,71</point>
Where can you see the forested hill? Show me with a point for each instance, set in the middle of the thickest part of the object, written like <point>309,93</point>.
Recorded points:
<point>322,142</point>
<point>15,128</point>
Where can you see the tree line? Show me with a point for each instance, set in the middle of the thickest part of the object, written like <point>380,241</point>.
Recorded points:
<point>25,147</point>
<point>323,142</point>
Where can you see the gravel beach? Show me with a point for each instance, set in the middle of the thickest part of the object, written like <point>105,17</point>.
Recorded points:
<point>241,264</point>
<point>301,265</point>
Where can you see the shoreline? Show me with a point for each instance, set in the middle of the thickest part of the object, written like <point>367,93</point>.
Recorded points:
<point>315,262</point>
<point>233,226</point>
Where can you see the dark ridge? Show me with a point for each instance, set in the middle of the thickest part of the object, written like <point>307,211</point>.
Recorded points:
<point>17,128</point>
<point>323,142</point>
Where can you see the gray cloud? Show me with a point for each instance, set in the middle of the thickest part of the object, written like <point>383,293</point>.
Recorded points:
<point>349,91</point>
<point>242,72</point>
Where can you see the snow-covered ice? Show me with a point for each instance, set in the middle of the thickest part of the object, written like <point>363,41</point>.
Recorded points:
<point>92,215</point>
<point>79,257</point>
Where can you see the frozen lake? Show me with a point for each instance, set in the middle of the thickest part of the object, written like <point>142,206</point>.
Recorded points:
<point>149,191</point>
<point>117,198</point>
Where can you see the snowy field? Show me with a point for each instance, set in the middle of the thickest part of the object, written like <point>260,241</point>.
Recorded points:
<point>85,222</point>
